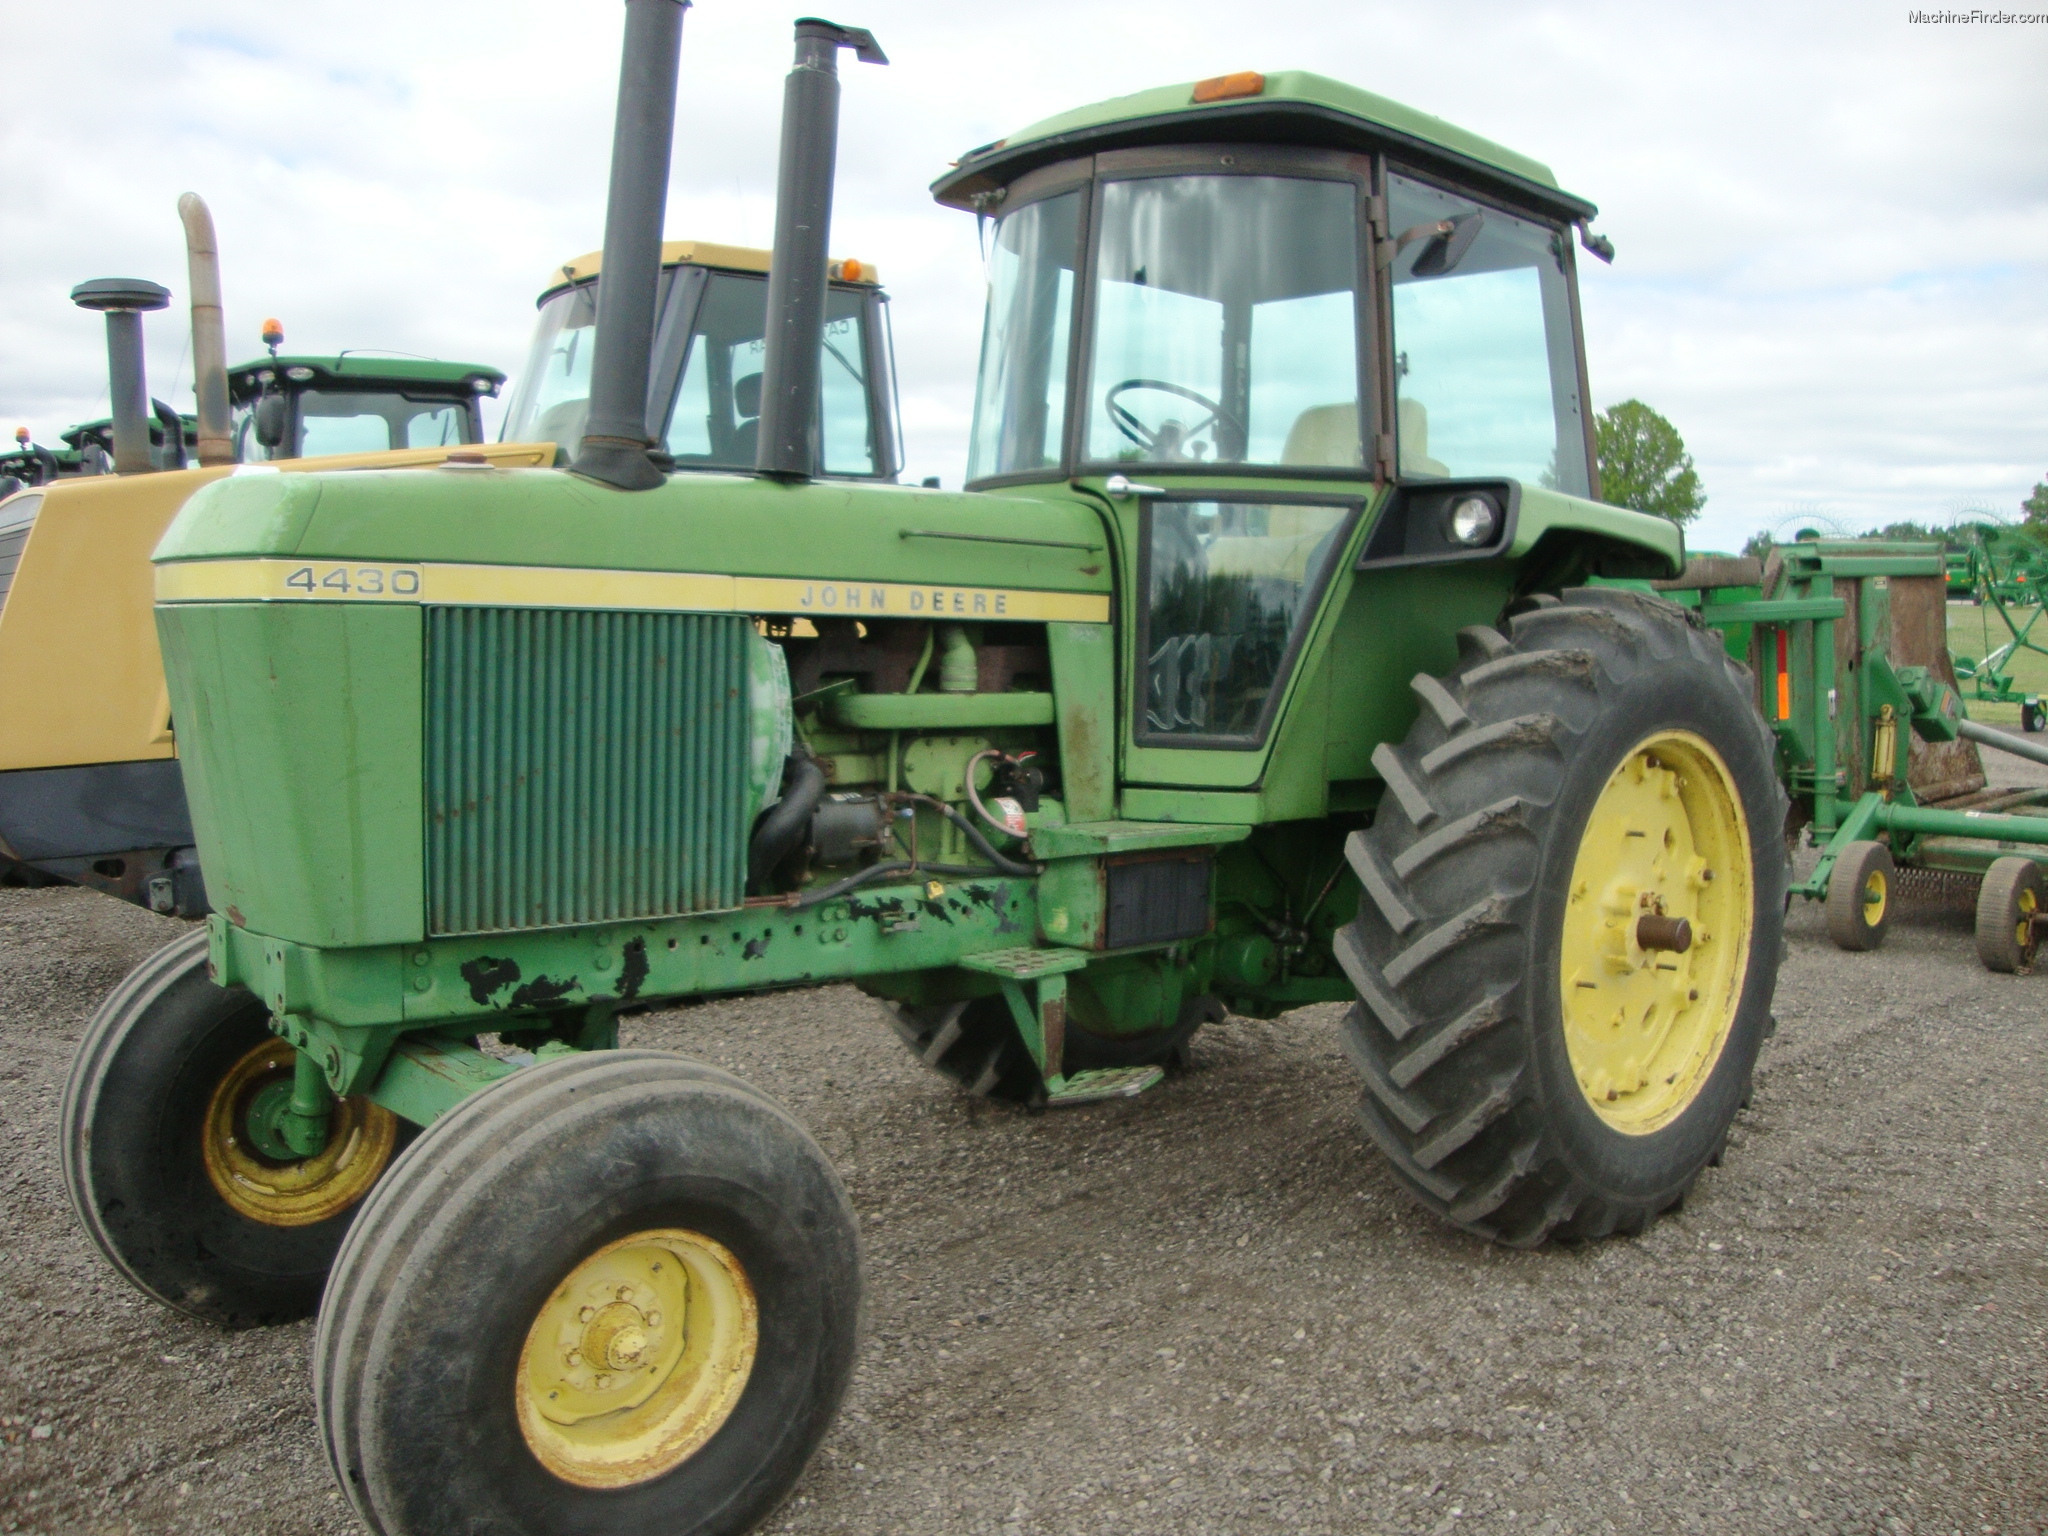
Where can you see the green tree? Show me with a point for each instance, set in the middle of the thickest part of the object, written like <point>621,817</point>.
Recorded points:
<point>2036,507</point>
<point>1644,465</point>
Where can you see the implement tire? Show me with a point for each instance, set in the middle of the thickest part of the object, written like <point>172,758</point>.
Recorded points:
<point>638,1280</point>
<point>2008,904</point>
<point>1860,892</point>
<point>1537,1062</point>
<point>160,1165</point>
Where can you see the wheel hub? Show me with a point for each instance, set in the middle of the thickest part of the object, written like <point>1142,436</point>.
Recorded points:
<point>1656,932</point>
<point>636,1358</point>
<point>259,1176</point>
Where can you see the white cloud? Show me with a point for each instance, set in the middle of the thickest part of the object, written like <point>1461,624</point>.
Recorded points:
<point>1832,224</point>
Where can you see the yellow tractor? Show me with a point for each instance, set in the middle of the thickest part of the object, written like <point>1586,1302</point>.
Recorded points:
<point>90,787</point>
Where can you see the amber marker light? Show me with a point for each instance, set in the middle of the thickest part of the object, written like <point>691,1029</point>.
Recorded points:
<point>273,335</point>
<point>1246,82</point>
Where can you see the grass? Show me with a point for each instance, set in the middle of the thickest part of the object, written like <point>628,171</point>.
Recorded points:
<point>1968,629</point>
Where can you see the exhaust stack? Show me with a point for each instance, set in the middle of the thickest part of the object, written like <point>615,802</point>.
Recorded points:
<point>123,300</point>
<point>803,223</point>
<point>209,334</point>
<point>616,440</point>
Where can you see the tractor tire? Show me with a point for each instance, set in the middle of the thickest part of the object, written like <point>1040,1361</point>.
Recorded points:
<point>976,1044</point>
<point>2032,716</point>
<point>1859,904</point>
<point>1518,1071</point>
<point>162,1170</point>
<point>2008,903</point>
<point>520,1245</point>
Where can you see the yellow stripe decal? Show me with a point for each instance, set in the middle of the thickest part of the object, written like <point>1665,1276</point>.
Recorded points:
<point>534,586</point>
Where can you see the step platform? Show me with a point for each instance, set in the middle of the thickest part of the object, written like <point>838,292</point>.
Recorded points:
<point>1102,1083</point>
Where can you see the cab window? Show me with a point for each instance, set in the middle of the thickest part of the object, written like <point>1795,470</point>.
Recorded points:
<point>1228,586</point>
<point>1485,355</point>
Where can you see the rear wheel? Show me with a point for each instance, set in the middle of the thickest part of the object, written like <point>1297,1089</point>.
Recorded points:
<point>167,1163</point>
<point>1569,923</point>
<point>638,1282</point>
<point>2032,715</point>
<point>977,1045</point>
<point>2008,904</point>
<point>1859,902</point>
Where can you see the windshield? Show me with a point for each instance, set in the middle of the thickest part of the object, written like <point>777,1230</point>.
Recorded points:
<point>1226,323</point>
<point>1484,347</point>
<point>714,420</point>
<point>1021,401</point>
<point>717,416</point>
<point>553,395</point>
<point>359,421</point>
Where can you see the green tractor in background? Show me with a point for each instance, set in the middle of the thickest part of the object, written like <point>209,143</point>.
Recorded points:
<point>1256,669</point>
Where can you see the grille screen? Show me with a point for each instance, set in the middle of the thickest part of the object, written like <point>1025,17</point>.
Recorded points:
<point>583,766</point>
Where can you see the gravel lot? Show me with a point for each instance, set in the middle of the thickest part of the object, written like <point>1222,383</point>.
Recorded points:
<point>1211,1309</point>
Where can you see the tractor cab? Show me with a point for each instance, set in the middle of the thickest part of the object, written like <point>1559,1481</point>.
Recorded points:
<point>1254,316</point>
<point>296,407</point>
<point>704,402</point>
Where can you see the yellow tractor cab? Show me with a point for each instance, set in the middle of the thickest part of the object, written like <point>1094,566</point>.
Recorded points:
<point>90,787</point>
<point>705,382</point>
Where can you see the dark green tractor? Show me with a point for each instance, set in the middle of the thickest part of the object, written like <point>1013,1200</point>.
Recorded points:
<point>1257,668</point>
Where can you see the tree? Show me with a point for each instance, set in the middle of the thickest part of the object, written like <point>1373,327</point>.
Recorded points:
<point>1644,465</point>
<point>2036,507</point>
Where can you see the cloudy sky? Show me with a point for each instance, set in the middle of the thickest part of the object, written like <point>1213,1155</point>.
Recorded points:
<point>1832,222</point>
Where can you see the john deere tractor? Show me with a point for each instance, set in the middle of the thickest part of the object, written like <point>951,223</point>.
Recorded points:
<point>1254,669</point>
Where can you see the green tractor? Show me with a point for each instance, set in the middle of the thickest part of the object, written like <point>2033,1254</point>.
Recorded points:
<point>1256,669</point>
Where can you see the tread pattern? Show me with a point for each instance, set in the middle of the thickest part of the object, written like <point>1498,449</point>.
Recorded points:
<point>110,1022</point>
<point>407,1199</point>
<point>1448,874</point>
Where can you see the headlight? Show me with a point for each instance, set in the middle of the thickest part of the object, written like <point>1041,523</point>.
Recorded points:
<point>299,375</point>
<point>1471,521</point>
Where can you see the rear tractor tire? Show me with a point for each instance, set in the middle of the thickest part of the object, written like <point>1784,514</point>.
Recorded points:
<point>976,1044</point>
<point>611,1293</point>
<point>161,1165</point>
<point>1860,891</point>
<point>2009,903</point>
<point>1569,922</point>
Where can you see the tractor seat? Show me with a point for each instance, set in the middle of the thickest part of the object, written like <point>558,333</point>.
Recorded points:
<point>1327,436</point>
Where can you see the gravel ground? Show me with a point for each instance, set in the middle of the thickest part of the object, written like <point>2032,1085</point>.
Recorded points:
<point>1211,1309</point>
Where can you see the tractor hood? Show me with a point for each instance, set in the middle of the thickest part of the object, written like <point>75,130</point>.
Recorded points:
<point>549,539</point>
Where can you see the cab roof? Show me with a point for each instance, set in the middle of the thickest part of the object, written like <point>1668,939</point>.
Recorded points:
<point>1288,107</point>
<point>702,253</point>
<point>361,369</point>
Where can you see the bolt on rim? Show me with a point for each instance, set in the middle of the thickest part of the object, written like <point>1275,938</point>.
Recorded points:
<point>636,1358</point>
<point>1656,936</point>
<point>262,1179</point>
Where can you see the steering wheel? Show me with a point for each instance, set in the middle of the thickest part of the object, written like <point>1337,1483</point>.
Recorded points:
<point>1165,442</point>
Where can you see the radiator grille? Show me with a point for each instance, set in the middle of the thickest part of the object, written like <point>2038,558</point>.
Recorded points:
<point>583,766</point>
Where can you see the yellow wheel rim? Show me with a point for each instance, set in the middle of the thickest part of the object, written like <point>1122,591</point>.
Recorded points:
<point>300,1192</point>
<point>1876,892</point>
<point>2023,929</point>
<point>1668,841</point>
<point>636,1358</point>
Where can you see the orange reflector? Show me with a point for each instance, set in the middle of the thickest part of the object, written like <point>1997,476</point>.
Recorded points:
<point>1246,82</point>
<point>1784,679</point>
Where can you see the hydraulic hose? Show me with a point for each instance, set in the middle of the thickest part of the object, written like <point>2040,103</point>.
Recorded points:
<point>784,822</point>
<point>874,872</point>
<point>975,840</point>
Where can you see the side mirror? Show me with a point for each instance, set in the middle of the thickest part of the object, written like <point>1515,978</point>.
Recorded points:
<point>272,416</point>
<point>1450,242</point>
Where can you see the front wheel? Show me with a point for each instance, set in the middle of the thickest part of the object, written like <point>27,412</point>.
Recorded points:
<point>612,1293</point>
<point>1569,923</point>
<point>167,1163</point>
